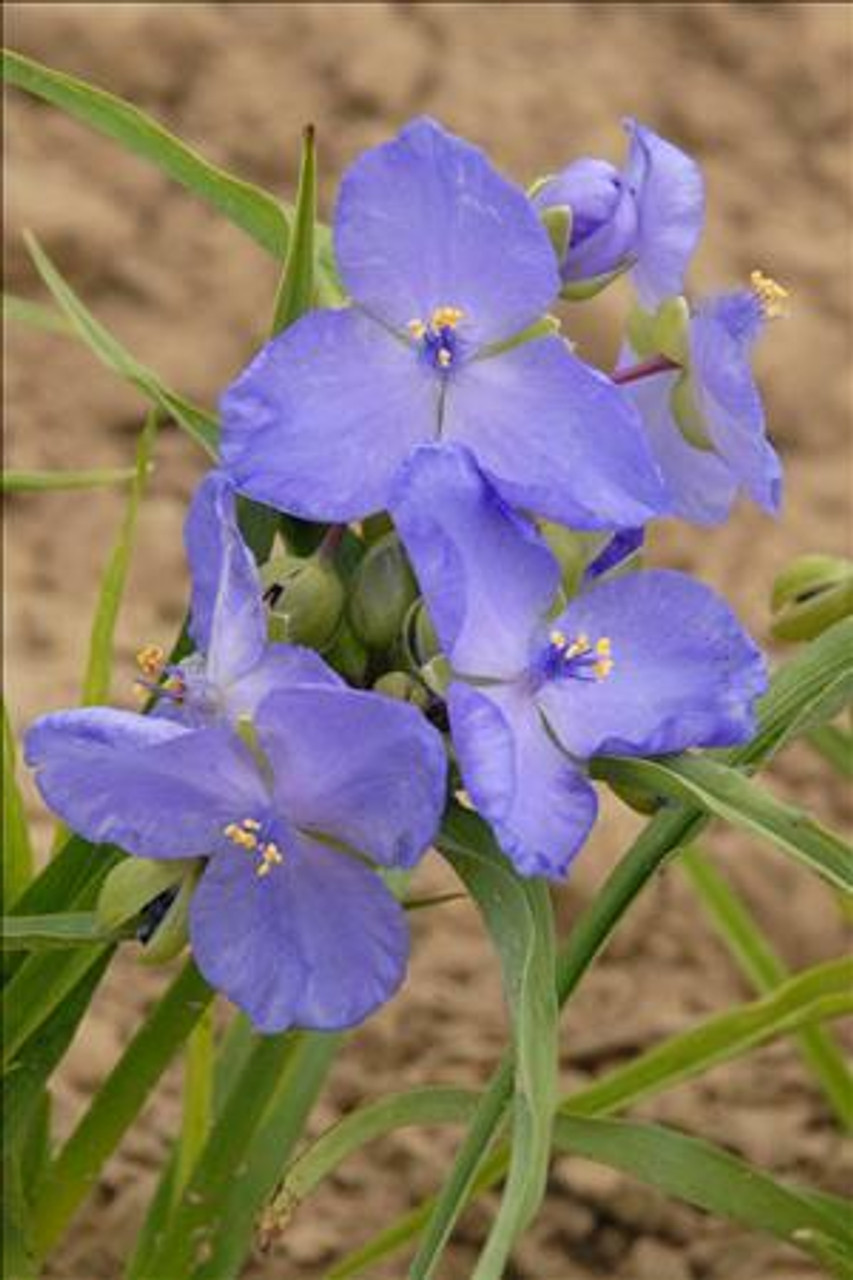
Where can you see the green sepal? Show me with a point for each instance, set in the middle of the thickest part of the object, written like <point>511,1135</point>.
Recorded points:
<point>670,329</point>
<point>573,552</point>
<point>690,421</point>
<point>809,595</point>
<point>581,290</point>
<point>437,674</point>
<point>134,883</point>
<point>383,590</point>
<point>557,221</point>
<point>348,655</point>
<point>539,184</point>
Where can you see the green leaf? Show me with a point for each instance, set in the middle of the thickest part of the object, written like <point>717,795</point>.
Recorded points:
<point>199,424</point>
<point>704,1175</point>
<point>198,1100</point>
<point>730,795</point>
<point>38,989</point>
<point>96,683</point>
<point>185,1242</point>
<point>36,315</point>
<point>59,929</point>
<point>764,969</point>
<point>18,861</point>
<point>296,287</point>
<point>51,481</point>
<point>431,1105</point>
<point>517,913</point>
<point>836,746</point>
<point>249,207</point>
<point>72,1175</point>
<point>271,1147</point>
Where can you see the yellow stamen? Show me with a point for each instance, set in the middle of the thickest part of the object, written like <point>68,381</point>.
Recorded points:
<point>445,318</point>
<point>603,668</point>
<point>417,329</point>
<point>557,639</point>
<point>150,660</point>
<point>602,647</point>
<point>772,296</point>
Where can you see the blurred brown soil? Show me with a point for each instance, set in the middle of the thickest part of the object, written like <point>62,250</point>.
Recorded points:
<point>762,94</point>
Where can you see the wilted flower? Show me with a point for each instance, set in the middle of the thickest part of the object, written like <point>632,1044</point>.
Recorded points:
<point>289,919</point>
<point>706,420</point>
<point>647,216</point>
<point>644,664</point>
<point>447,264</point>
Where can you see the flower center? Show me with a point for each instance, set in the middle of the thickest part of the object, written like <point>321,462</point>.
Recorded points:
<point>249,834</point>
<point>576,658</point>
<point>772,297</point>
<point>437,337</point>
<point>151,662</point>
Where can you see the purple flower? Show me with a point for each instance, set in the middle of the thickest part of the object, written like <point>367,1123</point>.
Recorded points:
<point>446,263</point>
<point>234,666</point>
<point>706,425</point>
<point>647,215</point>
<point>289,919</point>
<point>644,664</point>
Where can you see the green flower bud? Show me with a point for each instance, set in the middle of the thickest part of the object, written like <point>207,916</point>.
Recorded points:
<point>581,290</point>
<point>421,635</point>
<point>375,527</point>
<point>134,883</point>
<point>403,687</point>
<point>347,654</point>
<point>383,588</point>
<point>686,412</point>
<point>811,594</point>
<point>557,221</point>
<point>640,332</point>
<point>171,933</point>
<point>306,599</point>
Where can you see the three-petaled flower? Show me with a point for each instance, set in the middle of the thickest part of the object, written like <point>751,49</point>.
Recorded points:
<point>447,264</point>
<point>644,664</point>
<point>289,919</point>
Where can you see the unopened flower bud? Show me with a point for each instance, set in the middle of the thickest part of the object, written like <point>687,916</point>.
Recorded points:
<point>811,594</point>
<point>134,883</point>
<point>306,599</point>
<point>170,933</point>
<point>383,588</point>
<point>347,654</point>
<point>403,687</point>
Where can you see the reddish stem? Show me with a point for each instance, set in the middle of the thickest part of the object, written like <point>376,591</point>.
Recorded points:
<point>645,369</point>
<point>332,539</point>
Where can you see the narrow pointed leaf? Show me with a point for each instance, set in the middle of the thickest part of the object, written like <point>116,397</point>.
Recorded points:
<point>72,1175</point>
<point>60,929</point>
<point>199,424</point>
<point>18,862</point>
<point>766,971</point>
<point>198,1099</point>
<point>730,795</point>
<point>36,315</point>
<point>249,207</point>
<point>296,287</point>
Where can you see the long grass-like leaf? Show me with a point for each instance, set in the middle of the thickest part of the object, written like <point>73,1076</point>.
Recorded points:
<point>199,424</point>
<point>18,861</point>
<point>296,286</point>
<point>17,481</point>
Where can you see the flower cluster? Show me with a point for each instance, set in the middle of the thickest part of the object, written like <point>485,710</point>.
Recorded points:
<point>444,398</point>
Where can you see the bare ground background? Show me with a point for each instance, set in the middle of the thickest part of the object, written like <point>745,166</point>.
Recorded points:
<point>762,95</point>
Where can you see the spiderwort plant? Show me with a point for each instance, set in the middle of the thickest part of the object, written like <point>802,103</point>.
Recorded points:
<point>440,392</point>
<point>646,664</point>
<point>447,265</point>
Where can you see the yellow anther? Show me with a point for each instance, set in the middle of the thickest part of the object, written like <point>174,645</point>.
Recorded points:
<point>150,660</point>
<point>772,296</point>
<point>603,668</point>
<point>557,639</point>
<point>602,647</point>
<point>444,358</point>
<point>270,857</point>
<point>445,318</point>
<point>241,835</point>
<point>417,329</point>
